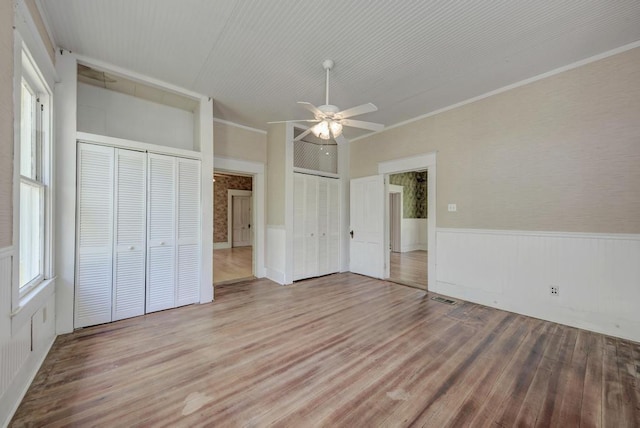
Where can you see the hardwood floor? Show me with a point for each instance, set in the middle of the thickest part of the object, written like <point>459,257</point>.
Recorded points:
<point>341,350</point>
<point>409,268</point>
<point>232,264</point>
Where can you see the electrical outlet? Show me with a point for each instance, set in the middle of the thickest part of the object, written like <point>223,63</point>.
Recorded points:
<point>555,290</point>
<point>452,208</point>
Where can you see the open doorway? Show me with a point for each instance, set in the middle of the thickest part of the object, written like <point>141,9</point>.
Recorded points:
<point>233,237</point>
<point>408,228</point>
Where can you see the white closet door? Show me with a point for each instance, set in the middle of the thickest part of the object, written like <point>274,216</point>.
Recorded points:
<point>333,232</point>
<point>311,226</point>
<point>298,226</point>
<point>323,226</point>
<point>94,234</point>
<point>161,231</point>
<point>129,247</point>
<point>188,228</point>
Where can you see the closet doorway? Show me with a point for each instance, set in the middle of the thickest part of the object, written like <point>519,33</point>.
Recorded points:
<point>408,236</point>
<point>233,227</point>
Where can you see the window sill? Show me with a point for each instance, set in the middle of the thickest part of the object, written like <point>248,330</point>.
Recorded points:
<point>30,303</point>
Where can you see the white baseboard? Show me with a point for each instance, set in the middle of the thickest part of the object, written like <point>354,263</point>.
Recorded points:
<point>413,247</point>
<point>221,245</point>
<point>597,275</point>
<point>18,388</point>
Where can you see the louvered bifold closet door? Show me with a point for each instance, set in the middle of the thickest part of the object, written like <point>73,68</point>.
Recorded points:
<point>188,229</point>
<point>298,226</point>
<point>161,231</point>
<point>94,235</point>
<point>311,226</point>
<point>130,221</point>
<point>334,213</point>
<point>323,226</point>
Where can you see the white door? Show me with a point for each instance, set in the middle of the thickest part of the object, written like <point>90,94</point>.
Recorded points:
<point>161,231</point>
<point>129,247</point>
<point>241,214</point>
<point>94,252</point>
<point>367,226</point>
<point>188,231</point>
<point>323,226</point>
<point>299,189</point>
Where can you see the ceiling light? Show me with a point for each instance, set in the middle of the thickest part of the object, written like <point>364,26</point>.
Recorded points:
<point>336,128</point>
<point>321,130</point>
<point>327,129</point>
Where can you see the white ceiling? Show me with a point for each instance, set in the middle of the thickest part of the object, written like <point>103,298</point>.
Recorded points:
<point>409,57</point>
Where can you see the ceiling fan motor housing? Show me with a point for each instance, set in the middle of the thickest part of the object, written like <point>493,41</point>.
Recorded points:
<point>328,109</point>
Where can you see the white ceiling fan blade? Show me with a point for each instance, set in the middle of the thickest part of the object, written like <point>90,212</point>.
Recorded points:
<point>362,124</point>
<point>355,111</point>
<point>301,136</point>
<point>340,140</point>
<point>313,109</point>
<point>300,120</point>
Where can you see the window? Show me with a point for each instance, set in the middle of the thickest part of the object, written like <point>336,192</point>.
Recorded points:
<point>33,157</point>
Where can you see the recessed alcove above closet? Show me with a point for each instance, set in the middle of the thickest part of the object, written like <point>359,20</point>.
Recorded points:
<point>115,106</point>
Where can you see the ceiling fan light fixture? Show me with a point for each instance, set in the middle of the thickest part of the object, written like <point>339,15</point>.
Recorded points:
<point>321,130</point>
<point>336,128</point>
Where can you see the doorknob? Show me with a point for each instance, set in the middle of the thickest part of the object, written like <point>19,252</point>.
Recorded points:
<point>351,233</point>
<point>249,227</point>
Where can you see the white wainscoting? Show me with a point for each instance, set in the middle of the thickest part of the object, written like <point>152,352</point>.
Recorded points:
<point>18,363</point>
<point>274,260</point>
<point>598,275</point>
<point>414,234</point>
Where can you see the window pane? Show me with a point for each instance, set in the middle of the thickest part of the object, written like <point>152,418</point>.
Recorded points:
<point>27,132</point>
<point>31,232</point>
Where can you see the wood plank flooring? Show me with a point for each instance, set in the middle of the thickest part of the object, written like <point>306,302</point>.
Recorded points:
<point>340,350</point>
<point>409,268</point>
<point>232,264</point>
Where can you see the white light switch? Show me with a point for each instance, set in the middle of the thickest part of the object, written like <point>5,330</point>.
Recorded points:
<point>452,208</point>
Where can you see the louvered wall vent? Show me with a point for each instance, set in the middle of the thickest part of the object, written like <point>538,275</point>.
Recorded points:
<point>443,300</point>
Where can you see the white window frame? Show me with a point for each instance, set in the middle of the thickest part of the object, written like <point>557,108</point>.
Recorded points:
<point>26,67</point>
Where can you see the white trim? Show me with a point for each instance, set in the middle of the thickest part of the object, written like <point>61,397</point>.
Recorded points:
<point>237,125</point>
<point>256,170</point>
<point>413,163</point>
<point>17,111</point>
<point>221,245</point>
<point>551,234</point>
<point>44,15</point>
<point>315,172</point>
<point>237,165</point>
<point>123,72</point>
<point>6,252</point>
<point>31,303</point>
<point>553,72</point>
<point>33,371</point>
<point>123,143</point>
<point>288,203</point>
<point>28,30</point>
<point>230,194</point>
<point>275,276</point>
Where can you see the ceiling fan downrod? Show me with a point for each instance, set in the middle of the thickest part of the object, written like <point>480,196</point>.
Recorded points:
<point>328,65</point>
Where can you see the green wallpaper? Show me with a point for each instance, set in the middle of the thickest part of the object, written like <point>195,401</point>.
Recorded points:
<point>414,195</point>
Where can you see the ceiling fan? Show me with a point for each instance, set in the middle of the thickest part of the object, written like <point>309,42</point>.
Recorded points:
<point>329,120</point>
